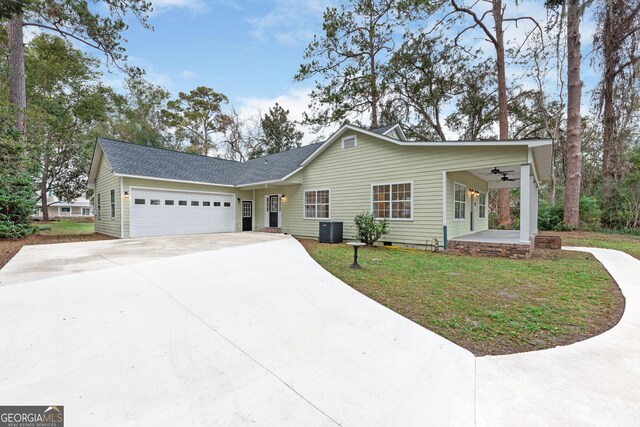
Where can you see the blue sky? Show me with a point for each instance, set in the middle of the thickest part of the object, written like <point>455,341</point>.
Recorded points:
<point>250,49</point>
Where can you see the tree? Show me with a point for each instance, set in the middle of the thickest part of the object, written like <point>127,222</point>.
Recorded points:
<point>64,102</point>
<point>618,42</point>
<point>140,118</point>
<point>197,118</point>
<point>240,137</point>
<point>424,75</point>
<point>348,59</point>
<point>278,133</point>
<point>72,19</point>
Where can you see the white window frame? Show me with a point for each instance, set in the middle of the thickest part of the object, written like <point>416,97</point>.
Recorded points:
<point>112,203</point>
<point>304,204</point>
<point>62,209</point>
<point>409,181</point>
<point>99,207</point>
<point>464,211</point>
<point>482,207</point>
<point>355,141</point>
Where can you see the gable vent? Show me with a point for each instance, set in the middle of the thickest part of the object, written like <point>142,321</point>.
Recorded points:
<point>349,142</point>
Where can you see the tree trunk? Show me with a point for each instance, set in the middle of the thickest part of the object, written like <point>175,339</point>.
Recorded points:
<point>504,205</point>
<point>608,137</point>
<point>374,83</point>
<point>43,196</point>
<point>17,85</point>
<point>573,171</point>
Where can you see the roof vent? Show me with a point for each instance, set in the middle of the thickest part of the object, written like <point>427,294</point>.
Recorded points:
<point>349,142</point>
<point>266,161</point>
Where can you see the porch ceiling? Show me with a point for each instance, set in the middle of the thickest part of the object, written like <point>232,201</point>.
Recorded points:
<point>495,179</point>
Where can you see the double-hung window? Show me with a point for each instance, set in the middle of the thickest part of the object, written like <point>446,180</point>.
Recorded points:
<point>113,204</point>
<point>482,206</point>
<point>392,201</point>
<point>459,201</point>
<point>98,208</point>
<point>316,204</point>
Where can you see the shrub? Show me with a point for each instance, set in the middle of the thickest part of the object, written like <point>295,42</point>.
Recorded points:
<point>368,230</point>
<point>17,203</point>
<point>550,217</point>
<point>590,213</point>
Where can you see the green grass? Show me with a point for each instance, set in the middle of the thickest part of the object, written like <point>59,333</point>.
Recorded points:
<point>623,242</point>
<point>57,228</point>
<point>487,305</point>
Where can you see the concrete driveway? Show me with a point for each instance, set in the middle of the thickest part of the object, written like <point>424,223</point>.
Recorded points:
<point>251,333</point>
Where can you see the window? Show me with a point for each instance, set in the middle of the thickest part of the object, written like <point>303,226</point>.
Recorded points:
<point>349,142</point>
<point>206,203</point>
<point>195,203</point>
<point>168,202</point>
<point>392,201</point>
<point>216,203</point>
<point>482,209</point>
<point>227,204</point>
<point>459,201</point>
<point>86,211</point>
<point>98,207</point>
<point>182,203</point>
<point>139,201</point>
<point>316,204</point>
<point>65,210</point>
<point>154,202</point>
<point>113,204</point>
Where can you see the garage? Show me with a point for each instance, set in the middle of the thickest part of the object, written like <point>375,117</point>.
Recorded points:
<point>168,213</point>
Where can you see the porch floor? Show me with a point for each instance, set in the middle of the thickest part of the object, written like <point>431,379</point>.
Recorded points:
<point>492,236</point>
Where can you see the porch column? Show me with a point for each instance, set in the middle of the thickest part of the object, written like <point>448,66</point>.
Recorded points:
<point>533,213</point>
<point>525,202</point>
<point>445,243</point>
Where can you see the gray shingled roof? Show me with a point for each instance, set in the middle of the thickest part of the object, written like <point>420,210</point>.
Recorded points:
<point>383,129</point>
<point>139,160</point>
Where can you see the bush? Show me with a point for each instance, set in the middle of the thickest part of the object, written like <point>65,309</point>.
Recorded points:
<point>590,213</point>
<point>550,217</point>
<point>368,230</point>
<point>17,203</point>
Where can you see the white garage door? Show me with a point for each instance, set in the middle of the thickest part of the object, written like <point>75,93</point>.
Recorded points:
<point>166,213</point>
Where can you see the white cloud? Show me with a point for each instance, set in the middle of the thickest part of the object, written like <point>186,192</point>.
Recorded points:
<point>187,75</point>
<point>289,21</point>
<point>194,5</point>
<point>295,100</point>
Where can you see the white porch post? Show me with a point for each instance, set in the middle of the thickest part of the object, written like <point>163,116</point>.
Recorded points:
<point>533,208</point>
<point>525,202</point>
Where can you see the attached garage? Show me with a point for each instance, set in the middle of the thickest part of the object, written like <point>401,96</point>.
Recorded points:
<point>167,212</point>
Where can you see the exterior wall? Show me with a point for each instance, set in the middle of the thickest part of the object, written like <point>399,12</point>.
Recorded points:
<point>486,249</point>
<point>456,227</point>
<point>105,182</point>
<point>169,185</point>
<point>349,174</point>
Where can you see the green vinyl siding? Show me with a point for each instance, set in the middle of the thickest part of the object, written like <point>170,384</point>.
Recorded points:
<point>105,182</point>
<point>177,186</point>
<point>350,173</point>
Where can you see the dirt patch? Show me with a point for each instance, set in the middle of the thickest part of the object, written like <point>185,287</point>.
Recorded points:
<point>9,247</point>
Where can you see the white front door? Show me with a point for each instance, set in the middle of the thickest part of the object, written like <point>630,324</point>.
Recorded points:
<point>167,213</point>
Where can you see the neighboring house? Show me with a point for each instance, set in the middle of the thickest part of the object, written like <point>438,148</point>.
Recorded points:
<point>427,190</point>
<point>59,208</point>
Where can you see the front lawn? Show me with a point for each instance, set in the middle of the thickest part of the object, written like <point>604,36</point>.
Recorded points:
<point>487,305</point>
<point>623,242</point>
<point>57,228</point>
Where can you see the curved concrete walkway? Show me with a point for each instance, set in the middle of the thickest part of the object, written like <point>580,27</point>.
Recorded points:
<point>593,382</point>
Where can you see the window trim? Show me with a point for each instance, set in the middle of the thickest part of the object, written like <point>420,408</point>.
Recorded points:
<point>62,209</point>
<point>112,204</point>
<point>304,204</point>
<point>375,184</point>
<point>480,205</point>
<point>99,206</point>
<point>355,141</point>
<point>455,201</point>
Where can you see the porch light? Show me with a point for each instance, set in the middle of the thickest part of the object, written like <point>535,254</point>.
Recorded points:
<point>284,196</point>
<point>126,195</point>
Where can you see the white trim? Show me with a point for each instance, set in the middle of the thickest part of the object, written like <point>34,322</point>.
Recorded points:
<point>444,198</point>
<point>181,191</point>
<point>525,199</point>
<point>173,180</point>
<point>268,210</point>
<point>122,207</point>
<point>455,201</point>
<point>253,214</point>
<point>304,204</point>
<point>253,184</point>
<point>355,141</point>
<point>112,204</point>
<point>485,204</point>
<point>391,201</point>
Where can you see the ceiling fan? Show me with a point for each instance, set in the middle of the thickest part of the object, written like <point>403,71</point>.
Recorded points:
<point>506,178</point>
<point>496,171</point>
